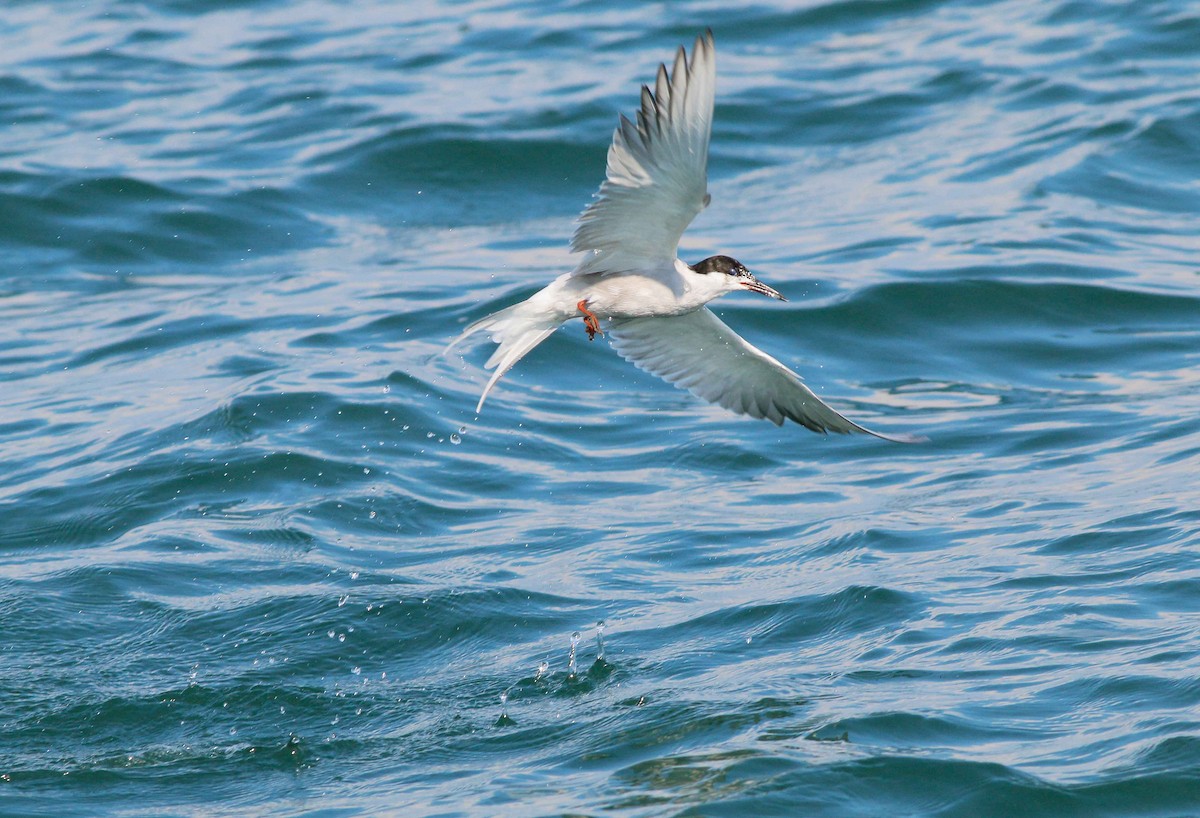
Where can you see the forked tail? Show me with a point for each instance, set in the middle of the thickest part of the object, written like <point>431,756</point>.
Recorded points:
<point>517,329</point>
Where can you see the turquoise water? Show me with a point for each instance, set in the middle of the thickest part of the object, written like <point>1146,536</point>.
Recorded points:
<point>259,557</point>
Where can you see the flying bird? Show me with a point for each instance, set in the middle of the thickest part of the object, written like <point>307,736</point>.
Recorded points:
<point>631,285</point>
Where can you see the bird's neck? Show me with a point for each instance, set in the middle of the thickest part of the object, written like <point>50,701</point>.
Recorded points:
<point>700,288</point>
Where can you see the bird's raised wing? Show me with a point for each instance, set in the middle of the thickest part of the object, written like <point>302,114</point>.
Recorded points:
<point>657,177</point>
<point>698,352</point>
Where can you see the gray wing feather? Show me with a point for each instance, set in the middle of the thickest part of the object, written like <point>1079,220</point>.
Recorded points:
<point>698,352</point>
<point>657,175</point>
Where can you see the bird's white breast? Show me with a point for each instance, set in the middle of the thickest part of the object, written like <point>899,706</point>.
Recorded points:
<point>672,291</point>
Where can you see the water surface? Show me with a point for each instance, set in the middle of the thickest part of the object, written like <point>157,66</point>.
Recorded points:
<point>259,557</point>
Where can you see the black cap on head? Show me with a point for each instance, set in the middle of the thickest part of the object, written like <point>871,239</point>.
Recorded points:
<point>721,264</point>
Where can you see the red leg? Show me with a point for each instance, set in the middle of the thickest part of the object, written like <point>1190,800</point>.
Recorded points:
<point>589,320</point>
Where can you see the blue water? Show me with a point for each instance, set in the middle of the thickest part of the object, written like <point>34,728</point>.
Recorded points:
<point>259,557</point>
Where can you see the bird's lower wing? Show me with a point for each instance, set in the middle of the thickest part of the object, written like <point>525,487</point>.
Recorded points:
<point>698,352</point>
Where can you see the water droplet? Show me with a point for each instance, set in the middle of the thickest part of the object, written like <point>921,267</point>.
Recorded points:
<point>504,720</point>
<point>541,671</point>
<point>571,668</point>
<point>455,439</point>
<point>600,641</point>
<point>353,575</point>
<point>356,670</point>
<point>387,387</point>
<point>428,434</point>
<point>343,600</point>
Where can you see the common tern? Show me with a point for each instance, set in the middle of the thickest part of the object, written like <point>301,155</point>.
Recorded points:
<point>631,285</point>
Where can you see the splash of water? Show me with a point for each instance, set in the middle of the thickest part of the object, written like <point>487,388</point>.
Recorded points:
<point>571,667</point>
<point>505,720</point>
